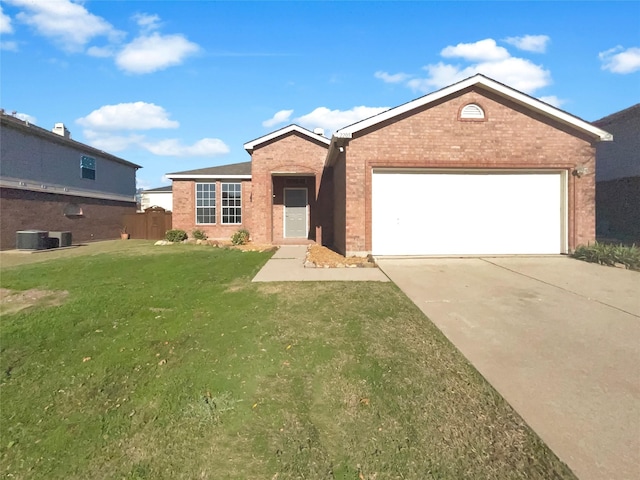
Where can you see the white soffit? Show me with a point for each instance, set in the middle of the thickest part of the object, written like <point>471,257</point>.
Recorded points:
<point>249,146</point>
<point>489,84</point>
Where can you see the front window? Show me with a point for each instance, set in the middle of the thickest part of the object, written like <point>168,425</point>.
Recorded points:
<point>232,203</point>
<point>205,203</point>
<point>88,167</point>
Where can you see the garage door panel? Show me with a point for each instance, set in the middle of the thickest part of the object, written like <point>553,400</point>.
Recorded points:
<point>467,214</point>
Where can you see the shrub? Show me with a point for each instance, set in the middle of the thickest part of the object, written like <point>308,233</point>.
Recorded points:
<point>175,235</point>
<point>241,237</point>
<point>199,235</point>
<point>609,254</point>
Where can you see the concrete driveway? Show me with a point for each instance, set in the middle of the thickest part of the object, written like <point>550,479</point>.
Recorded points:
<point>558,338</point>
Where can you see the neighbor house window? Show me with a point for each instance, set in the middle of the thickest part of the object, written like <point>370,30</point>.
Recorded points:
<point>88,167</point>
<point>205,203</point>
<point>472,111</point>
<point>232,203</point>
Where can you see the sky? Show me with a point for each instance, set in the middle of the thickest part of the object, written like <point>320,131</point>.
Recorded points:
<point>181,85</point>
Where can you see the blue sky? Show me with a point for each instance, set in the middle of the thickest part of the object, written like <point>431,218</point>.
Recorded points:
<point>180,85</point>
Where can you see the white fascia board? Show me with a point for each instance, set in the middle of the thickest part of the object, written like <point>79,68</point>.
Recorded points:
<point>489,84</point>
<point>211,177</point>
<point>46,187</point>
<point>249,146</point>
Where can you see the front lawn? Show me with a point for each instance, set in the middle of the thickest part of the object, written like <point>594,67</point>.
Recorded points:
<point>174,365</point>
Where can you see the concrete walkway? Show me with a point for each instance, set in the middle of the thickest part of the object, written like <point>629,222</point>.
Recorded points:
<point>287,265</point>
<point>558,338</point>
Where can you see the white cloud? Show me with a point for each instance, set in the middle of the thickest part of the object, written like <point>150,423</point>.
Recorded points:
<point>110,142</point>
<point>618,60</point>
<point>280,117</point>
<point>207,147</point>
<point>100,52</point>
<point>147,22</point>
<point>484,57</point>
<point>480,51</point>
<point>392,78</point>
<point>553,100</point>
<point>5,23</point>
<point>128,116</point>
<point>150,53</point>
<point>66,22</point>
<point>332,120</point>
<point>113,128</point>
<point>9,46</point>
<point>530,43</point>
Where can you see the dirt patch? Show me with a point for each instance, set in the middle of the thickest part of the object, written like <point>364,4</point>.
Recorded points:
<point>253,247</point>
<point>319,256</point>
<point>12,301</point>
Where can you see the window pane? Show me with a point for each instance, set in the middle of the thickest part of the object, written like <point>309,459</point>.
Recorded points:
<point>231,203</point>
<point>205,203</point>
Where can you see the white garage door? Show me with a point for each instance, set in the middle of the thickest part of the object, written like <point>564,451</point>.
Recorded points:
<point>465,213</point>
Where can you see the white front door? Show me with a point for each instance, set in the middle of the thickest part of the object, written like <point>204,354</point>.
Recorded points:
<point>295,213</point>
<point>468,213</point>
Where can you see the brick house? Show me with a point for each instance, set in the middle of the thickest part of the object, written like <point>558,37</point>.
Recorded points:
<point>50,182</point>
<point>473,168</point>
<point>618,177</point>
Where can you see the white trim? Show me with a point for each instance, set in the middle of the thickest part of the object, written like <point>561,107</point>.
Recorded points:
<point>18,184</point>
<point>489,84</point>
<point>284,211</point>
<point>210,177</point>
<point>249,146</point>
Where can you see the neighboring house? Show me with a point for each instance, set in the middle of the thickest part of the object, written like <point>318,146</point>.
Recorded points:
<point>50,182</point>
<point>475,168</point>
<point>618,177</point>
<point>157,197</point>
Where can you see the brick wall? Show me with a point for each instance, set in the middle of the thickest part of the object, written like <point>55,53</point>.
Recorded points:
<point>184,209</point>
<point>290,155</point>
<point>28,210</point>
<point>510,137</point>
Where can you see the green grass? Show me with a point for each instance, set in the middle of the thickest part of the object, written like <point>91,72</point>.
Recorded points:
<point>175,365</point>
<point>610,254</point>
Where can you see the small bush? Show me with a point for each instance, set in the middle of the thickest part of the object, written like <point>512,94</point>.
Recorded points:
<point>609,254</point>
<point>176,235</point>
<point>199,235</point>
<point>241,237</point>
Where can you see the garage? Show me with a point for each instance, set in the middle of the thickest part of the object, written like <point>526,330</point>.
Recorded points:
<point>471,212</point>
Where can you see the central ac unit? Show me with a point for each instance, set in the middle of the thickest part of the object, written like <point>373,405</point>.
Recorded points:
<point>32,240</point>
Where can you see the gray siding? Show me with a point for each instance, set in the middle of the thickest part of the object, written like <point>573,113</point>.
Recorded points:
<point>620,158</point>
<point>35,158</point>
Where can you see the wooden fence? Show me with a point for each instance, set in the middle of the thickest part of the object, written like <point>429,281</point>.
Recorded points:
<point>150,224</point>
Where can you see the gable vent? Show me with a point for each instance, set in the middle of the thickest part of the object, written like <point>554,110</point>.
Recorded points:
<point>472,111</point>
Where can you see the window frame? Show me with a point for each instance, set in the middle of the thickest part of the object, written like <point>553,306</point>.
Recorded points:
<point>226,208</point>
<point>211,197</point>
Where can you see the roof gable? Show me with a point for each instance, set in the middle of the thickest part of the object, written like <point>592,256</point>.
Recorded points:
<point>490,85</point>
<point>250,146</point>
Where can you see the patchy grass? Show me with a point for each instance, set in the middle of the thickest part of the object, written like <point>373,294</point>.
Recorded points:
<point>177,366</point>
